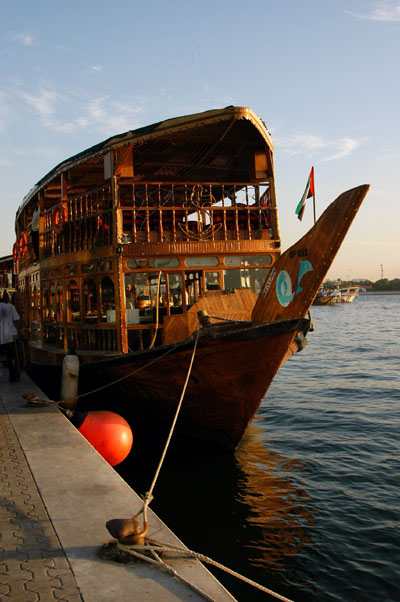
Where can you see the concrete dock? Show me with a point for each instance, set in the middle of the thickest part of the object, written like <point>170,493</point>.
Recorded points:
<point>57,493</point>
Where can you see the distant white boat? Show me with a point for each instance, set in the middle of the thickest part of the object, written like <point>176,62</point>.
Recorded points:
<point>348,294</point>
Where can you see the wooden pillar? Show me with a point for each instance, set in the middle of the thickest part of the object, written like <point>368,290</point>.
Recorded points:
<point>120,309</point>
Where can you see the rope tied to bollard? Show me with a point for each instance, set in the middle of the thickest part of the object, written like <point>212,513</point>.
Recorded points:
<point>127,530</point>
<point>155,546</point>
<point>132,540</point>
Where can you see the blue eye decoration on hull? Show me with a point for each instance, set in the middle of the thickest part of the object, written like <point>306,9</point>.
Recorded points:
<point>284,289</point>
<point>305,266</point>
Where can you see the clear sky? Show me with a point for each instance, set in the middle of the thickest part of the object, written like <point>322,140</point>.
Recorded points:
<point>323,75</point>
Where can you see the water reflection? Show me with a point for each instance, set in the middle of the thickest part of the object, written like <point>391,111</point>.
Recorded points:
<point>278,517</point>
<point>244,510</point>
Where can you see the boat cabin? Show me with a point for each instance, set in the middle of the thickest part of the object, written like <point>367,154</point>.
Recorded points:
<point>118,247</point>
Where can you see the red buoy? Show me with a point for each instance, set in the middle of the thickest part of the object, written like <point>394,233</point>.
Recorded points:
<point>109,433</point>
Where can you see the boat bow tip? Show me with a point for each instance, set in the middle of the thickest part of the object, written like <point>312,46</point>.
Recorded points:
<point>295,278</point>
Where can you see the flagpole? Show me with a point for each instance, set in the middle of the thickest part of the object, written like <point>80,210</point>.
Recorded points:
<point>315,217</point>
<point>309,191</point>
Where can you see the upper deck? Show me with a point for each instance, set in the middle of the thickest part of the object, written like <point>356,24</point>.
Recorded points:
<point>203,178</point>
<point>197,191</point>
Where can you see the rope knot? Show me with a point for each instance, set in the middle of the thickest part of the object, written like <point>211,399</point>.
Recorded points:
<point>147,498</point>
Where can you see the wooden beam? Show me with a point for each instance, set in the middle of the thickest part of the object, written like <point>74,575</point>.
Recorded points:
<point>124,166</point>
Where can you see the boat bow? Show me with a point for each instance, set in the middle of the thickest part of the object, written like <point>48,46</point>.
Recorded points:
<point>296,277</point>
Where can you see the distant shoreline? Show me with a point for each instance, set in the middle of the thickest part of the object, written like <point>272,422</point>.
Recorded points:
<point>380,293</point>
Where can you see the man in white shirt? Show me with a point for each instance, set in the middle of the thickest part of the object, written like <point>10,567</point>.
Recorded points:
<point>8,317</point>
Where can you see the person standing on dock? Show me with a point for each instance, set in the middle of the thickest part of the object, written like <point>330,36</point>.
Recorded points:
<point>8,317</point>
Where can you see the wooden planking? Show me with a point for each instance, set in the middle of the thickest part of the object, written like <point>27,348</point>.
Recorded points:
<point>175,328</point>
<point>237,305</point>
<point>228,380</point>
<point>223,304</point>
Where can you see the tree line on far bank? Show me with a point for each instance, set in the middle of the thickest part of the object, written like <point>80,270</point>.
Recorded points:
<point>380,285</point>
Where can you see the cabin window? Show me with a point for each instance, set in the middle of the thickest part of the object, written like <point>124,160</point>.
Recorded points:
<point>134,264</point>
<point>107,300</point>
<point>105,266</point>
<point>142,292</point>
<point>70,270</point>
<point>46,303</point>
<point>74,302</point>
<point>237,260</point>
<point>253,278</point>
<point>89,301</point>
<point>164,262</point>
<point>87,268</point>
<point>198,262</point>
<point>193,286</point>
<point>60,303</point>
<point>175,292</point>
<point>212,281</point>
<point>141,296</point>
<point>130,297</point>
<point>153,262</point>
<point>137,292</point>
<point>158,285</point>
<point>32,300</point>
<point>53,302</point>
<point>35,331</point>
<point>131,301</point>
<point>35,302</point>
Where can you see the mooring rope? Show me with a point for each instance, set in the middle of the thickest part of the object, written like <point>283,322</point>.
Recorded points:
<point>157,310</point>
<point>149,494</point>
<point>159,546</point>
<point>50,402</point>
<point>230,320</point>
<point>118,380</point>
<point>157,561</point>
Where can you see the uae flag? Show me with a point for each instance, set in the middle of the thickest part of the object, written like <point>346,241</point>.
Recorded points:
<point>309,192</point>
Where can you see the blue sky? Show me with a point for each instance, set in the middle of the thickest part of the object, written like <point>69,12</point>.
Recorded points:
<point>322,74</point>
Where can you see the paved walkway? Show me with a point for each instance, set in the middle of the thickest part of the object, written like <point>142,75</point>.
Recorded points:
<point>56,495</point>
<point>33,565</point>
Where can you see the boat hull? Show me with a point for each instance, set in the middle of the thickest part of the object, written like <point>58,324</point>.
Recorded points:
<point>230,375</point>
<point>328,300</point>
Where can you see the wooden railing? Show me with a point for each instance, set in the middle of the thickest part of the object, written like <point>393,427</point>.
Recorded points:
<point>155,212</point>
<point>81,337</point>
<point>158,212</point>
<point>87,338</point>
<point>53,334</point>
<point>82,222</point>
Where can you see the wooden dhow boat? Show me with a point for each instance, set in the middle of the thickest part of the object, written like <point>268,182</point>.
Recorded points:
<point>155,239</point>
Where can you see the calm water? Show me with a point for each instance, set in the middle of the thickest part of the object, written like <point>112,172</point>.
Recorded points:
<point>309,505</point>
